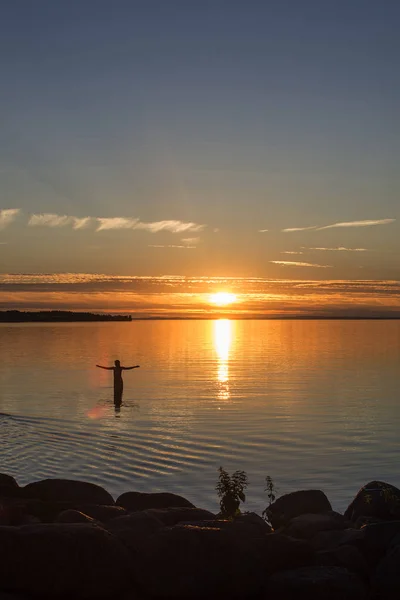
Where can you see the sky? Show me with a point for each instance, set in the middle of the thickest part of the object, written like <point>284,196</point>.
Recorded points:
<point>155,152</point>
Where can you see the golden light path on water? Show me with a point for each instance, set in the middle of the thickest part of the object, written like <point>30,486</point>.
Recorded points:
<point>222,344</point>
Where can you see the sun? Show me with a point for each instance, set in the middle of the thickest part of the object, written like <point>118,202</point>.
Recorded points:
<point>222,298</point>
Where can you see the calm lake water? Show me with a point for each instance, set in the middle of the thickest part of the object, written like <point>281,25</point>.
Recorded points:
<point>310,403</point>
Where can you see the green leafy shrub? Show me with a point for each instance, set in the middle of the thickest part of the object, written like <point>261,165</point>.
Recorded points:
<point>230,490</point>
<point>271,494</point>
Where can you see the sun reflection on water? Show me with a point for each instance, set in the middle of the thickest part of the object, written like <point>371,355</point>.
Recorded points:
<point>222,344</point>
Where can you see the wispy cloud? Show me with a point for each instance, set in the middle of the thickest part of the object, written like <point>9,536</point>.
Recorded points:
<point>290,229</point>
<point>170,246</point>
<point>341,249</point>
<point>172,226</point>
<point>262,230</point>
<point>289,263</point>
<point>116,223</point>
<point>366,223</point>
<point>7,216</point>
<point>192,240</point>
<point>53,220</point>
<point>291,252</point>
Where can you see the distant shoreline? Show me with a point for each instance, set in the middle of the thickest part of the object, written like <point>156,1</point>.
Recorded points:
<point>55,316</point>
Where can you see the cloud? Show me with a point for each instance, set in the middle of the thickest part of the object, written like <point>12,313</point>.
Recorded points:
<point>262,230</point>
<point>116,223</point>
<point>290,229</point>
<point>154,227</point>
<point>193,240</point>
<point>52,220</point>
<point>291,252</point>
<point>172,226</point>
<point>7,216</point>
<point>341,249</point>
<point>366,223</point>
<point>170,246</point>
<point>288,263</point>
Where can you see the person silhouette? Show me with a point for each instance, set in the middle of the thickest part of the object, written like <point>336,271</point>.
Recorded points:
<point>118,381</point>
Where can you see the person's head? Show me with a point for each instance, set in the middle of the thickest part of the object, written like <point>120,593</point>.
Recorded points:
<point>117,363</point>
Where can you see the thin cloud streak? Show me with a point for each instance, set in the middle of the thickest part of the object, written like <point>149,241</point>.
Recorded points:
<point>53,220</point>
<point>262,230</point>
<point>291,252</point>
<point>290,229</point>
<point>365,223</point>
<point>289,263</point>
<point>7,216</point>
<point>341,249</point>
<point>170,246</point>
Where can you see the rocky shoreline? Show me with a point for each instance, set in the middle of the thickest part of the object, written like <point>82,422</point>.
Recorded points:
<point>65,539</point>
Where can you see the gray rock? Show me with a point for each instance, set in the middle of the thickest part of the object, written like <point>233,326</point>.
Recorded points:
<point>292,505</point>
<point>59,490</point>
<point>196,562</point>
<point>172,516</point>
<point>316,583</point>
<point>376,499</point>
<point>386,580</point>
<point>308,525</point>
<point>73,516</point>
<point>140,501</point>
<point>7,480</point>
<point>58,560</point>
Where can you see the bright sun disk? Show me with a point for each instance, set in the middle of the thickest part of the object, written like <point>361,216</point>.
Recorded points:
<point>222,298</point>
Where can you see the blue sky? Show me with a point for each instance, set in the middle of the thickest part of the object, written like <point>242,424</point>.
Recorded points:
<point>192,126</point>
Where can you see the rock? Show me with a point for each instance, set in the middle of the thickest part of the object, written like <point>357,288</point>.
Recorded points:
<point>386,580</point>
<point>254,522</point>
<point>294,504</point>
<point>308,525</point>
<point>73,516</point>
<point>46,512</point>
<point>59,490</point>
<point>8,481</point>
<point>10,491</point>
<point>315,583</point>
<point>344,556</point>
<point>379,539</point>
<point>133,530</point>
<point>68,561</point>
<point>102,513</point>
<point>326,540</point>
<point>196,562</point>
<point>279,552</point>
<point>140,501</point>
<point>172,516</point>
<point>376,499</point>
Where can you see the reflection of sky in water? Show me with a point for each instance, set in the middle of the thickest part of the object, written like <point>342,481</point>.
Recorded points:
<point>310,404</point>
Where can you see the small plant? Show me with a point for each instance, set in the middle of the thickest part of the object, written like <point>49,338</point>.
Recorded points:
<point>230,490</point>
<point>271,494</point>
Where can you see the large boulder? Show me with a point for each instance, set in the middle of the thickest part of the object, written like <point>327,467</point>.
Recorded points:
<point>74,516</point>
<point>377,499</point>
<point>141,501</point>
<point>346,556</point>
<point>308,525</point>
<point>196,562</point>
<point>172,516</point>
<point>58,490</point>
<point>316,582</point>
<point>8,480</point>
<point>102,513</point>
<point>386,580</point>
<point>64,561</point>
<point>292,505</point>
<point>133,530</point>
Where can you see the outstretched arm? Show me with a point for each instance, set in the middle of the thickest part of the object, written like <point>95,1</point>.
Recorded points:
<point>129,368</point>
<point>108,368</point>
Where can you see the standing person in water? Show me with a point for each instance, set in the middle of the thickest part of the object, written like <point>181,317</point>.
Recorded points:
<point>118,381</point>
